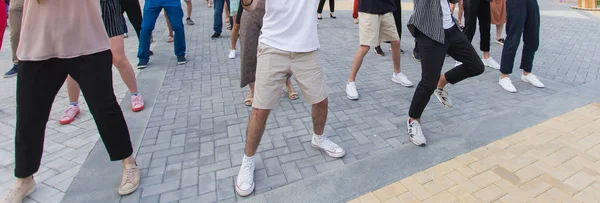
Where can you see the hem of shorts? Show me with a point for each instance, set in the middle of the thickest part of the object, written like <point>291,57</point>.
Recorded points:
<point>264,107</point>
<point>319,100</point>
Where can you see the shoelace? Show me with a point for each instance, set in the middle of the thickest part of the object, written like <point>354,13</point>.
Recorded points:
<point>129,175</point>
<point>247,171</point>
<point>328,144</point>
<point>70,112</point>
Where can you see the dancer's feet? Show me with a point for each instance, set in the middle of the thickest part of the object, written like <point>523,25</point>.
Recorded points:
<point>20,190</point>
<point>69,115</point>
<point>130,180</point>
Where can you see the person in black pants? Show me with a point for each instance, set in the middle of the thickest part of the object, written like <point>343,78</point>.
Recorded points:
<point>331,9</point>
<point>134,13</point>
<point>522,17</point>
<point>474,10</point>
<point>437,35</point>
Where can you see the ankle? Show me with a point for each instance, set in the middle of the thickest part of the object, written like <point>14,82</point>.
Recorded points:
<point>75,103</point>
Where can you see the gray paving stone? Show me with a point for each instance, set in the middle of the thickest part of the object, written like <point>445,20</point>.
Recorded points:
<point>273,167</point>
<point>329,165</point>
<point>292,157</point>
<point>179,194</point>
<point>208,197</point>
<point>291,171</point>
<point>275,152</point>
<point>206,183</point>
<point>222,153</point>
<point>225,189</point>
<point>189,177</point>
<point>150,199</point>
<point>160,188</point>
<point>272,182</point>
<point>226,173</point>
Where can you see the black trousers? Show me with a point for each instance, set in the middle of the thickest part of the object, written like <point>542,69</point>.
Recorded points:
<point>433,55</point>
<point>522,17</point>
<point>398,17</point>
<point>331,6</point>
<point>474,10</point>
<point>38,82</point>
<point>134,13</point>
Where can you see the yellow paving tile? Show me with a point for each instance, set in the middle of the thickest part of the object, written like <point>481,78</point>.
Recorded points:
<point>442,197</point>
<point>354,201</point>
<point>555,161</point>
<point>489,193</point>
<point>389,191</point>
<point>368,198</point>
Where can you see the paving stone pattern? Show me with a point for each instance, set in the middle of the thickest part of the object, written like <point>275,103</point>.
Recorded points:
<point>555,161</point>
<point>194,141</point>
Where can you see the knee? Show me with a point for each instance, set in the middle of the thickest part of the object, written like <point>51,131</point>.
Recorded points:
<point>322,103</point>
<point>395,43</point>
<point>478,67</point>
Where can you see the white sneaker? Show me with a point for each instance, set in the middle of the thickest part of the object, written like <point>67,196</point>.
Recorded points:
<point>351,91</point>
<point>507,84</point>
<point>458,63</point>
<point>442,95</point>
<point>491,63</point>
<point>415,133</point>
<point>401,79</point>
<point>244,185</point>
<point>232,54</point>
<point>533,80</point>
<point>322,143</point>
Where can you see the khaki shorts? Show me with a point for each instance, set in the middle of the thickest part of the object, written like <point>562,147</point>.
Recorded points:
<point>374,28</point>
<point>273,68</point>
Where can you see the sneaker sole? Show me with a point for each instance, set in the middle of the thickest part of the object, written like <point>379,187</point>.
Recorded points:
<point>378,54</point>
<point>181,63</point>
<point>327,152</point>
<point>10,76</point>
<point>242,193</point>
<point>137,109</point>
<point>420,145</point>
<point>415,58</point>
<point>397,81</point>
<point>532,84</point>
<point>352,98</point>
<point>499,43</point>
<point>142,66</point>
<point>70,120</point>
<point>127,192</point>
<point>507,90</point>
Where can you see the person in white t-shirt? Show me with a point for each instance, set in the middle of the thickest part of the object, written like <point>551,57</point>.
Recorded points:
<point>287,46</point>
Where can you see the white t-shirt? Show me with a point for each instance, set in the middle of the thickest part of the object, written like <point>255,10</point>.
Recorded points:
<point>446,15</point>
<point>290,25</point>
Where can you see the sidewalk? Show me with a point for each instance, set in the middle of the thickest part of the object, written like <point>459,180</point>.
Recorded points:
<point>555,161</point>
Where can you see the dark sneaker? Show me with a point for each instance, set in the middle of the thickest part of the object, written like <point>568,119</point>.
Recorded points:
<point>500,41</point>
<point>189,21</point>
<point>378,51</point>
<point>151,52</point>
<point>181,60</point>
<point>142,64</point>
<point>416,56</point>
<point>11,73</point>
<point>401,51</point>
<point>216,35</point>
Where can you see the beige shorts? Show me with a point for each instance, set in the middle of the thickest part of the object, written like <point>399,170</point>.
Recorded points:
<point>273,68</point>
<point>374,28</point>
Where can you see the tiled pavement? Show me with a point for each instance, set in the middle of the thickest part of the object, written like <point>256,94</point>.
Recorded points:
<point>555,161</point>
<point>192,144</point>
<point>194,141</point>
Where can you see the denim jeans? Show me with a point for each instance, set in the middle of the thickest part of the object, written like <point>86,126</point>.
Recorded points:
<point>218,15</point>
<point>151,11</point>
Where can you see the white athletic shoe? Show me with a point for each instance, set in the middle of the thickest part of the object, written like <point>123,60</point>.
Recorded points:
<point>507,84</point>
<point>458,63</point>
<point>351,91</point>
<point>232,54</point>
<point>491,63</point>
<point>401,79</point>
<point>322,143</point>
<point>442,95</point>
<point>533,80</point>
<point>416,133</point>
<point>244,185</point>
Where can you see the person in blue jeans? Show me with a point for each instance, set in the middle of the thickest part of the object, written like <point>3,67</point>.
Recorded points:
<point>152,9</point>
<point>218,17</point>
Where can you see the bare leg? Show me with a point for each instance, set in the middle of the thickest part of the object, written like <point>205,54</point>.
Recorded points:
<point>72,90</point>
<point>235,33</point>
<point>460,11</point>
<point>358,59</point>
<point>226,8</point>
<point>319,116</point>
<point>256,128</point>
<point>288,83</point>
<point>117,47</point>
<point>442,82</point>
<point>486,54</point>
<point>189,8</point>
<point>396,56</point>
<point>169,25</point>
<point>129,160</point>
<point>452,7</point>
<point>499,29</point>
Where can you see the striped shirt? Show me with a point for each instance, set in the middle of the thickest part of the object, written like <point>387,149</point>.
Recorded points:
<point>427,19</point>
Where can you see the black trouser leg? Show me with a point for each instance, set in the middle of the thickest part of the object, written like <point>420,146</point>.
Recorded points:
<point>471,9</point>
<point>531,35</point>
<point>433,55</point>
<point>478,10</point>
<point>398,18</point>
<point>320,8</point>
<point>462,50</point>
<point>38,82</point>
<point>94,75</point>
<point>516,11</point>
<point>134,13</point>
<point>332,6</point>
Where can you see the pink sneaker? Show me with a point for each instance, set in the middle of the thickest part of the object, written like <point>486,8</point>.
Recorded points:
<point>69,115</point>
<point>137,103</point>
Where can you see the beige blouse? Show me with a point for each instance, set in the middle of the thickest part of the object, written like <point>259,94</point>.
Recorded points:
<point>61,29</point>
